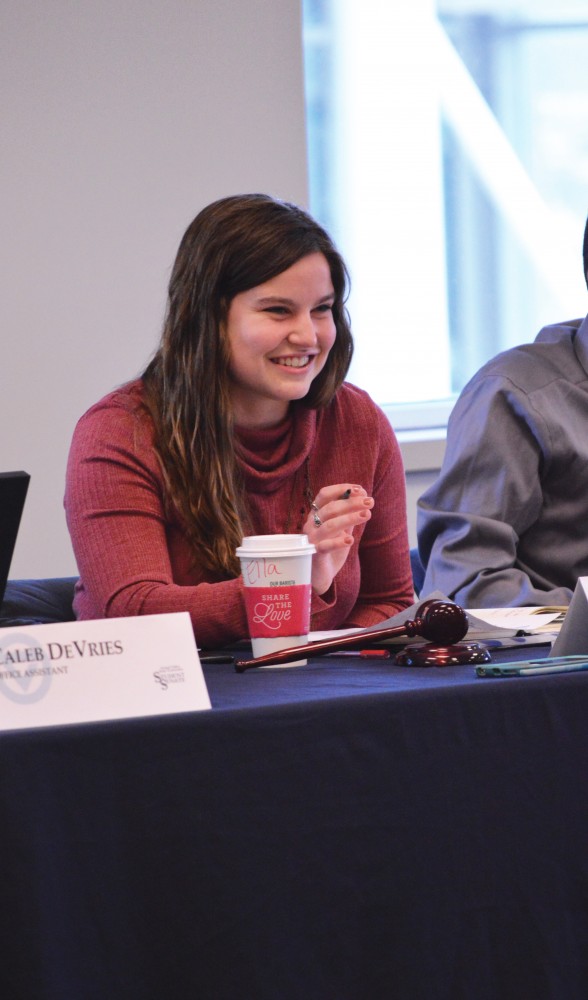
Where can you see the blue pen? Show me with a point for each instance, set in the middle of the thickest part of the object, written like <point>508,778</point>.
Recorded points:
<point>534,668</point>
<point>562,668</point>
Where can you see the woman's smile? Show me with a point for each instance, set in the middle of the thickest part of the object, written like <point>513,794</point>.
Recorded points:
<point>293,362</point>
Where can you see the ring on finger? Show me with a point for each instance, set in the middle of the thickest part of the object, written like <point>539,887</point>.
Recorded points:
<point>316,517</point>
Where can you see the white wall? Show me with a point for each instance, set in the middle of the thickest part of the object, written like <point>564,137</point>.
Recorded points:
<point>121,119</point>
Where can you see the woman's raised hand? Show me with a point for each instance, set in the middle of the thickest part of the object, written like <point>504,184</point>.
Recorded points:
<point>335,512</point>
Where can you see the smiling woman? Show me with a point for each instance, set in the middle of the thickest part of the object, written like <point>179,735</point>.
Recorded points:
<point>241,424</point>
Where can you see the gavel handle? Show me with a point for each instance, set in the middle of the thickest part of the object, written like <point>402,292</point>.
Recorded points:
<point>355,640</point>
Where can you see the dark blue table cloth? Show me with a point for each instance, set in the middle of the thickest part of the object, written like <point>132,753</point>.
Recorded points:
<point>348,830</point>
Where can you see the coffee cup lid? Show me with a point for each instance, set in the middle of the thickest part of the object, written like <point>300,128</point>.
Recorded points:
<point>271,545</point>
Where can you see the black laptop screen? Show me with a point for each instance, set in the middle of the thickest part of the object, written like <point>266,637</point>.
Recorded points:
<point>13,491</point>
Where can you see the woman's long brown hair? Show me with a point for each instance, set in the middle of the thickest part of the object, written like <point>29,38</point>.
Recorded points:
<point>231,246</point>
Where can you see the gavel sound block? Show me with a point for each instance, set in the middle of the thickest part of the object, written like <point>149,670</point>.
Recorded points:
<point>442,623</point>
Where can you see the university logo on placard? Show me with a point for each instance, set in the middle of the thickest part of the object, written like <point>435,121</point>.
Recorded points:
<point>25,673</point>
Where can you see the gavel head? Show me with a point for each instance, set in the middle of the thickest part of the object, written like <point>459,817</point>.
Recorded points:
<point>441,622</point>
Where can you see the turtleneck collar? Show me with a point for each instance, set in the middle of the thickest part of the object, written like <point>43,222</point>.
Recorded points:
<point>271,455</point>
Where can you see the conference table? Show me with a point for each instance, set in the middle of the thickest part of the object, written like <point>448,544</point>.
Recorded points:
<point>347,830</point>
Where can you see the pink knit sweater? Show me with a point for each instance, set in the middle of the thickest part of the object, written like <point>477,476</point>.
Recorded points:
<point>134,560</point>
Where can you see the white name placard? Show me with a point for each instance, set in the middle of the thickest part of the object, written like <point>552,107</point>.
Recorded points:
<point>573,634</point>
<point>88,671</point>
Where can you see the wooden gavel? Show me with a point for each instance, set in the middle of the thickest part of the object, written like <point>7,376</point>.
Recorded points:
<point>439,622</point>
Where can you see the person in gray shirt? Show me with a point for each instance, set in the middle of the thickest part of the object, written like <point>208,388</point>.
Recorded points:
<point>506,522</point>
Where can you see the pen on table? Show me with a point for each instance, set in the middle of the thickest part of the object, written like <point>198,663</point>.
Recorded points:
<point>563,668</point>
<point>382,654</point>
<point>216,658</point>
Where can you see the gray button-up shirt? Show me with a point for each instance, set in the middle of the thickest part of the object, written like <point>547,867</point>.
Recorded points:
<point>506,522</point>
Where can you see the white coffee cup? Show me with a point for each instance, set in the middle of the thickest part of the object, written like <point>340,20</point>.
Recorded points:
<point>276,572</point>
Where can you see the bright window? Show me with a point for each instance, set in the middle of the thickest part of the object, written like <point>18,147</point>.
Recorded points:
<point>449,159</point>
